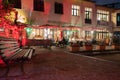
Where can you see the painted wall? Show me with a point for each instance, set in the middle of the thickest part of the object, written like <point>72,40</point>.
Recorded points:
<point>66,19</point>
<point>49,17</point>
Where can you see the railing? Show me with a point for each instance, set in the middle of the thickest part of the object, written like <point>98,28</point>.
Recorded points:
<point>88,21</point>
<point>104,23</point>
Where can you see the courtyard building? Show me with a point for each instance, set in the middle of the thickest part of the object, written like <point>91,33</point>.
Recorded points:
<point>73,19</point>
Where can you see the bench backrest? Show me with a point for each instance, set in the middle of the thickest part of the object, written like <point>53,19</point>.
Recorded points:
<point>8,46</point>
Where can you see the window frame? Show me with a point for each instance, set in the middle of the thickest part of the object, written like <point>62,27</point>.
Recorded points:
<point>103,15</point>
<point>75,10</point>
<point>89,13</point>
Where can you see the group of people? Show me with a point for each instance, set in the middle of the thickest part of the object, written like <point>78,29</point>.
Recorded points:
<point>61,43</point>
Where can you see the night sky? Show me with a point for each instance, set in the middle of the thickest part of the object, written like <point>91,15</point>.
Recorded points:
<point>106,1</point>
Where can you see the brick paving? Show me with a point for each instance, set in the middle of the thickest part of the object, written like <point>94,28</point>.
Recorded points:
<point>56,64</point>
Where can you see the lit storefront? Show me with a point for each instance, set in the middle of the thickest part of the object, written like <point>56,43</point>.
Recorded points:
<point>52,32</point>
<point>43,32</point>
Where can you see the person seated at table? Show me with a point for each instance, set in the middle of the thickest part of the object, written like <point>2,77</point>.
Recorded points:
<point>63,42</point>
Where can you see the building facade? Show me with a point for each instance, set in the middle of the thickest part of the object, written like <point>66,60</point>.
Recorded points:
<point>82,19</point>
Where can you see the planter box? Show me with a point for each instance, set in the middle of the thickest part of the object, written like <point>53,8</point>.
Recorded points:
<point>107,41</point>
<point>116,47</point>
<point>101,47</point>
<point>73,49</point>
<point>88,47</point>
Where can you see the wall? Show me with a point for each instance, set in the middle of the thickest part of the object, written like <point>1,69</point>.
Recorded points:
<point>49,17</point>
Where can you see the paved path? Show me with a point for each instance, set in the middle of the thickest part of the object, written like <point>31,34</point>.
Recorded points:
<point>56,64</point>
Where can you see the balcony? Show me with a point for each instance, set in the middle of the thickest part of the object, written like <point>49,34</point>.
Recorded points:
<point>88,21</point>
<point>104,23</point>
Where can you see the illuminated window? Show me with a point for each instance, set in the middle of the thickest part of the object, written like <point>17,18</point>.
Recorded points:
<point>58,8</point>
<point>39,5</point>
<point>102,15</point>
<point>75,10</point>
<point>16,3</point>
<point>87,34</point>
<point>88,15</point>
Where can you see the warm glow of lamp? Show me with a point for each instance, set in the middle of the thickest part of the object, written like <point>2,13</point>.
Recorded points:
<point>21,16</point>
<point>21,19</point>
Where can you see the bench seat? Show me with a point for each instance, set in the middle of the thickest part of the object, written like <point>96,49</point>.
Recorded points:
<point>11,52</point>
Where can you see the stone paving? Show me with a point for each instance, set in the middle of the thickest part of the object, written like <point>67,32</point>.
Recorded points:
<point>56,64</point>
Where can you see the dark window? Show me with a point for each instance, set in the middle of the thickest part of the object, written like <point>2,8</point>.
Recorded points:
<point>116,37</point>
<point>15,3</point>
<point>58,8</point>
<point>39,5</point>
<point>118,19</point>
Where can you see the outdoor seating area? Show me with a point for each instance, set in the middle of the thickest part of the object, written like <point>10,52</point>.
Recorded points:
<point>12,53</point>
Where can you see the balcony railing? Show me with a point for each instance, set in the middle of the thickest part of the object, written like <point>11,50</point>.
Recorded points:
<point>104,23</point>
<point>88,21</point>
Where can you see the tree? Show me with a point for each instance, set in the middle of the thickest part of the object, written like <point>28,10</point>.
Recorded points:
<point>8,13</point>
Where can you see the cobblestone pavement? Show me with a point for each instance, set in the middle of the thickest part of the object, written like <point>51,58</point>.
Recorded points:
<point>56,64</point>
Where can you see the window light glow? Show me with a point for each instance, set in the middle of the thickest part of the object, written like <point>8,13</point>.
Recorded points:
<point>75,10</point>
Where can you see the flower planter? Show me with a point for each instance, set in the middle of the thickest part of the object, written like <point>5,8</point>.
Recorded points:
<point>74,48</point>
<point>107,41</point>
<point>116,47</point>
<point>101,47</point>
<point>88,47</point>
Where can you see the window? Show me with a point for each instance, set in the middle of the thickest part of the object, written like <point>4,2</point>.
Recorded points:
<point>87,34</point>
<point>88,15</point>
<point>75,10</point>
<point>39,5</point>
<point>58,8</point>
<point>16,3</point>
<point>118,19</point>
<point>102,15</point>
